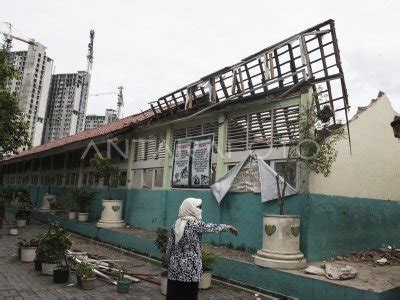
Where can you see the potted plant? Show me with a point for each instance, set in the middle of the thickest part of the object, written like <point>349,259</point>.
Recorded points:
<point>48,197</point>
<point>111,214</point>
<point>161,243</point>
<point>123,283</point>
<point>208,258</point>
<point>85,275</point>
<point>313,150</point>
<point>24,207</point>
<point>83,198</point>
<point>53,206</point>
<point>51,249</point>
<point>28,249</point>
<point>61,273</point>
<point>71,206</point>
<point>21,217</point>
<point>13,230</point>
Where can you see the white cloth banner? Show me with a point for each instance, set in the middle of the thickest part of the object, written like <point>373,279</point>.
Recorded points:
<point>267,175</point>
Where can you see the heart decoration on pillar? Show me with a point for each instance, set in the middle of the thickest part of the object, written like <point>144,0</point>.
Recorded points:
<point>116,208</point>
<point>270,229</point>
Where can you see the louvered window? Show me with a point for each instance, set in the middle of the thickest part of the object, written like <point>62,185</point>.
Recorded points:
<point>255,131</point>
<point>237,134</point>
<point>151,147</point>
<point>259,130</point>
<point>286,125</point>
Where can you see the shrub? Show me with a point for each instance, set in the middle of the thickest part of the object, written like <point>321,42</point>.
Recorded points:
<point>82,198</point>
<point>84,270</point>
<point>53,245</point>
<point>161,243</point>
<point>208,258</point>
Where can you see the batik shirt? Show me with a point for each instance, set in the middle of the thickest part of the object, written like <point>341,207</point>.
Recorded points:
<point>184,260</point>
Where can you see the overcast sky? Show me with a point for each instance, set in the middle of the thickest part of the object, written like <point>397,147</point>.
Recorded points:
<point>155,47</point>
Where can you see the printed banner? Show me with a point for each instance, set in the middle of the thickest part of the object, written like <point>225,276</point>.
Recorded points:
<point>192,162</point>
<point>201,157</point>
<point>180,176</point>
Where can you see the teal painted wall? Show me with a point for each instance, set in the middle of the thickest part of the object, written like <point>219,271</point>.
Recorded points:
<point>340,225</point>
<point>330,225</point>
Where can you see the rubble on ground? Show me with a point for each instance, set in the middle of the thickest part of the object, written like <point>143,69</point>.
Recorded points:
<point>333,272</point>
<point>385,255</point>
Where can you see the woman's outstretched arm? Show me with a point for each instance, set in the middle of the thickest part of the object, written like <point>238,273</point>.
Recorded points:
<point>210,227</point>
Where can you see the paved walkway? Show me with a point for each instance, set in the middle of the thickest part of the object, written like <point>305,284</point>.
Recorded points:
<point>19,280</point>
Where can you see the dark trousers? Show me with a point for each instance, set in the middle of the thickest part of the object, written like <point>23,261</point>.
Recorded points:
<point>178,290</point>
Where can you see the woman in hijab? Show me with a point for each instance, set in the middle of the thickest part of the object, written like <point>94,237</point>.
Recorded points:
<point>184,250</point>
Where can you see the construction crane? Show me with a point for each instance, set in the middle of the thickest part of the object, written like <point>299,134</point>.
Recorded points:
<point>85,86</point>
<point>120,102</point>
<point>101,94</point>
<point>8,37</point>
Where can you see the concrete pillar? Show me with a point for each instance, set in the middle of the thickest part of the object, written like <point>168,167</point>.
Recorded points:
<point>222,131</point>
<point>64,178</point>
<point>167,158</point>
<point>304,173</point>
<point>132,145</point>
<point>80,174</point>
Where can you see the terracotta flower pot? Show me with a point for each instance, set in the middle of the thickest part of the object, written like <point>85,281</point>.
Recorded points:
<point>88,283</point>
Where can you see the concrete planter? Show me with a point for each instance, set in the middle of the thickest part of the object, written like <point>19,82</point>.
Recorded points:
<point>111,214</point>
<point>21,223</point>
<point>13,231</point>
<point>205,281</point>
<point>28,254</point>
<point>48,269</point>
<point>72,215</point>
<point>47,198</point>
<point>83,217</point>
<point>164,283</point>
<point>281,243</point>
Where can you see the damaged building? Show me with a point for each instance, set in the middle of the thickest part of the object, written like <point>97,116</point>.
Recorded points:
<point>252,106</point>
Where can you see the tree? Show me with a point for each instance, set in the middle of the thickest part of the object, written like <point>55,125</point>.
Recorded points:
<point>13,127</point>
<point>311,143</point>
<point>105,170</point>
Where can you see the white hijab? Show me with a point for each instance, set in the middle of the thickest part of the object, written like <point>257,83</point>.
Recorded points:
<point>188,211</point>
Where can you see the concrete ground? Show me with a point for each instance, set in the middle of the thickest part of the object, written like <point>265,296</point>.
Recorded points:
<point>19,280</point>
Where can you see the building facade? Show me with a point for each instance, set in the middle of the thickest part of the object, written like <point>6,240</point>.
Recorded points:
<point>63,105</point>
<point>94,121</point>
<point>32,87</point>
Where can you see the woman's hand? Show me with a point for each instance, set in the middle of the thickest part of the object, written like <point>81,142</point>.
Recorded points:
<point>232,230</point>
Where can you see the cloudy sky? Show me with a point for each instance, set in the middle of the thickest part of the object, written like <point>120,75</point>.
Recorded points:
<point>155,47</point>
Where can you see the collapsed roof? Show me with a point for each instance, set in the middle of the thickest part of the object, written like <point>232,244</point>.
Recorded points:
<point>309,57</point>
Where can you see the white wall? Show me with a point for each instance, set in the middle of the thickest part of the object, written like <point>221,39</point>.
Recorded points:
<point>373,169</point>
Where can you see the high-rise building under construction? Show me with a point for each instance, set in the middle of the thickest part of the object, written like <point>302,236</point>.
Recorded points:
<point>32,86</point>
<point>65,97</point>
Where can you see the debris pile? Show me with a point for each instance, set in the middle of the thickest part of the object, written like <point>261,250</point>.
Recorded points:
<point>333,272</point>
<point>108,270</point>
<point>386,255</point>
